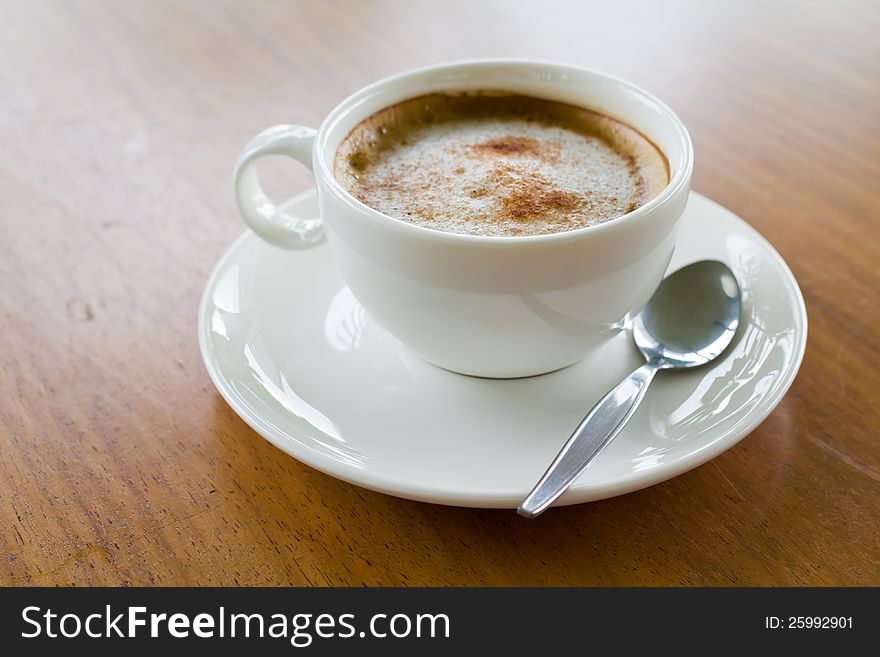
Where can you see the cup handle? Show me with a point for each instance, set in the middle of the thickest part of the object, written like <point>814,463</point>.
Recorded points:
<point>276,223</point>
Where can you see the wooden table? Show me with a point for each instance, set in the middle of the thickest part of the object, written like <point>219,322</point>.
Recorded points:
<point>121,465</point>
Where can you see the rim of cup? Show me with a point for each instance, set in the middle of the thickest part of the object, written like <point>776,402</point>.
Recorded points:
<point>678,178</point>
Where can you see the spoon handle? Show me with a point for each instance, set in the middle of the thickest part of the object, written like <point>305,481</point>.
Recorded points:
<point>595,431</point>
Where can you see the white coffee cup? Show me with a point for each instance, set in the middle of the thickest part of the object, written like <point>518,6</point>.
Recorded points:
<point>485,306</point>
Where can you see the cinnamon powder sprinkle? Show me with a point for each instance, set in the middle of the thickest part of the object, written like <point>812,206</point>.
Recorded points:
<point>509,145</point>
<point>534,197</point>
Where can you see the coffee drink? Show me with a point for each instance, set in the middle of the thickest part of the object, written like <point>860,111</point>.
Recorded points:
<point>492,163</point>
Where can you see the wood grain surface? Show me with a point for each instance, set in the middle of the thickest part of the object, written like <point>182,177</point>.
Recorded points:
<point>119,126</point>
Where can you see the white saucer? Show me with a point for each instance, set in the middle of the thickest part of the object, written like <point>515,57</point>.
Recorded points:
<point>293,354</point>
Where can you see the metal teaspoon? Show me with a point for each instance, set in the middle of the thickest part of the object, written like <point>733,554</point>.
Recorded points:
<point>689,321</point>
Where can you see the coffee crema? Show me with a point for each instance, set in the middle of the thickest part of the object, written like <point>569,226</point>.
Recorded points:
<point>493,163</point>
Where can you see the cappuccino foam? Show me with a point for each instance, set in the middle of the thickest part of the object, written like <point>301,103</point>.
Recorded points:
<point>498,164</point>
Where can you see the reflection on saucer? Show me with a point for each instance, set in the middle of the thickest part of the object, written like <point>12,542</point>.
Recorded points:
<point>344,321</point>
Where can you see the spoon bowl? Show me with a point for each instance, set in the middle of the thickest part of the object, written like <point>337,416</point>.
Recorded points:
<point>691,318</point>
